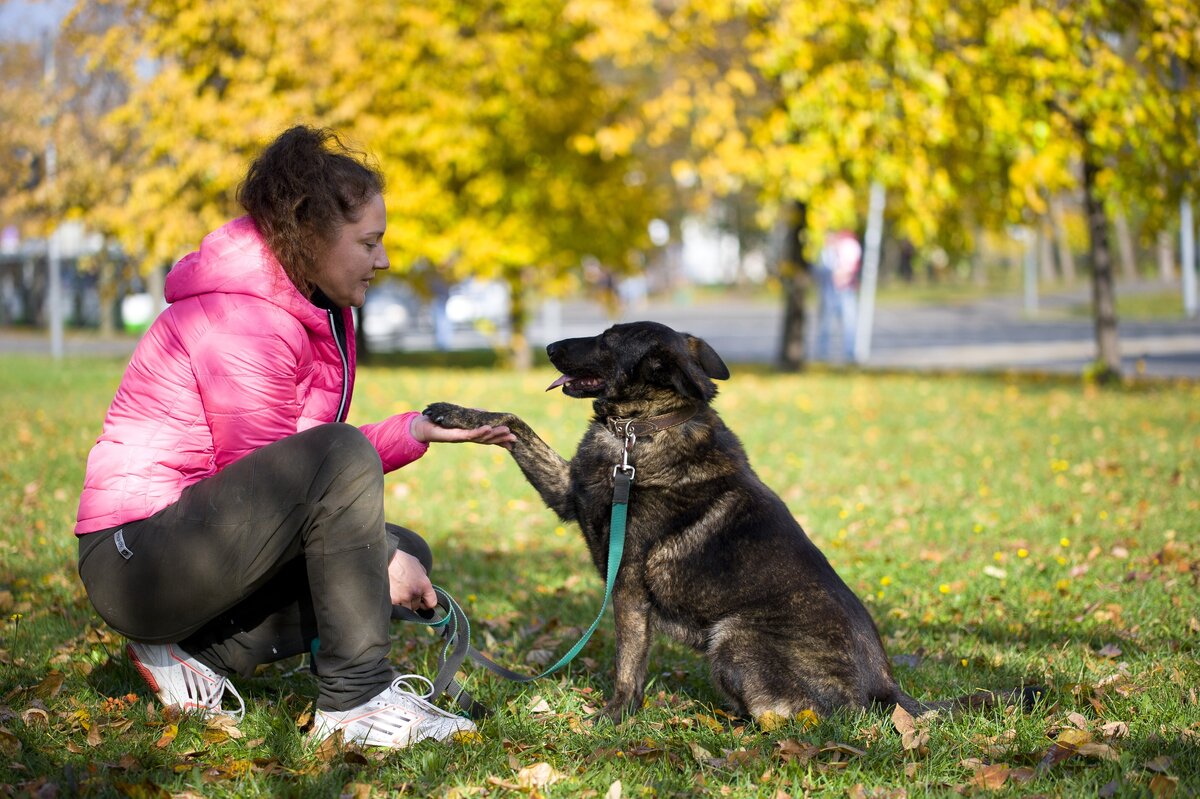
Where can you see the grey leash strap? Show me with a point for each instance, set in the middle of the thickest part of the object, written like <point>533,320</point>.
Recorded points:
<point>456,631</point>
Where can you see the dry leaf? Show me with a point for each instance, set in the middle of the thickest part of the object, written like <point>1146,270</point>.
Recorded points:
<point>1078,720</point>
<point>539,775</point>
<point>50,686</point>
<point>701,754</point>
<point>355,790</point>
<point>10,744</point>
<point>614,791</point>
<point>1161,764</point>
<point>168,735</point>
<point>1163,786</point>
<point>93,735</point>
<point>1115,729</point>
<point>771,721</point>
<point>991,778</point>
<point>34,716</point>
<point>799,751</point>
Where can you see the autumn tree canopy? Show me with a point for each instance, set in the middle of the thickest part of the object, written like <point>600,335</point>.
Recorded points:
<point>520,137</point>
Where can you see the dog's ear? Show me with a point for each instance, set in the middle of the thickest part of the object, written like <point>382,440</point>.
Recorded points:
<point>693,371</point>
<point>707,357</point>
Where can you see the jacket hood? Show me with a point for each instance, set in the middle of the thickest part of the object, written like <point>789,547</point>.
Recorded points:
<point>234,259</point>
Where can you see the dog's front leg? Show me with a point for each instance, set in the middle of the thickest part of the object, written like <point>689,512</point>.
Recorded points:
<point>631,608</point>
<point>544,468</point>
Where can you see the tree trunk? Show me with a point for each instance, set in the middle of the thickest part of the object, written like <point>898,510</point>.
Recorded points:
<point>1104,305</point>
<point>1125,246</point>
<point>1166,257</point>
<point>795,276</point>
<point>106,289</point>
<point>1066,260</point>
<point>1045,253</point>
<point>520,352</point>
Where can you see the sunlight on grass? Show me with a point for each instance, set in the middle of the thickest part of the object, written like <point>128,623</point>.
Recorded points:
<point>1000,530</point>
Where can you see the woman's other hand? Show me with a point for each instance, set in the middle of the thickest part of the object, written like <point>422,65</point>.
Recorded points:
<point>409,584</point>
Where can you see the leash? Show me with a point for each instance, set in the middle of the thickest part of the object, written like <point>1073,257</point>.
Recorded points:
<point>456,628</point>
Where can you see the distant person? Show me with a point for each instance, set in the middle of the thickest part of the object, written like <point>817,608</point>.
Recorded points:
<point>837,278</point>
<point>229,516</point>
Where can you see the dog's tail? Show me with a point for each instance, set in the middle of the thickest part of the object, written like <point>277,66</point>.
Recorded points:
<point>1024,697</point>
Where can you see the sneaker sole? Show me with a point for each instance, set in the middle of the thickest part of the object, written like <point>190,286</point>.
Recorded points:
<point>141,668</point>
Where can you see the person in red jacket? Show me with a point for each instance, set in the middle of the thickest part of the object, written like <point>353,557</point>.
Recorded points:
<point>229,516</point>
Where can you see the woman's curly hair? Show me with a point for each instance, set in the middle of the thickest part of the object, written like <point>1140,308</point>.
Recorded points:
<point>300,191</point>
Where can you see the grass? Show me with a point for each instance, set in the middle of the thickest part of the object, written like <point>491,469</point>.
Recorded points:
<point>1000,530</point>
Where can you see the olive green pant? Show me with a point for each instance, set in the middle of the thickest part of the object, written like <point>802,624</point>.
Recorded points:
<point>282,548</point>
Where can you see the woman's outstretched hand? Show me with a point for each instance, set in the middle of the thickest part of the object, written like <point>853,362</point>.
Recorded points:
<point>424,430</point>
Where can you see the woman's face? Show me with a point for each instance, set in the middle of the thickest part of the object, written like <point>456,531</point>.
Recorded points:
<point>345,269</point>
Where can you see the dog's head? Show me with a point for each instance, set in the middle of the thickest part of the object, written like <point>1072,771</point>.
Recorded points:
<point>638,361</point>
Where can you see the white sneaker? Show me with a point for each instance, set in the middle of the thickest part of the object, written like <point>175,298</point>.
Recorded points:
<point>397,717</point>
<point>179,679</point>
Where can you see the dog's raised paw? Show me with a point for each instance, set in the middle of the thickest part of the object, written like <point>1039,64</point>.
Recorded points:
<point>445,414</point>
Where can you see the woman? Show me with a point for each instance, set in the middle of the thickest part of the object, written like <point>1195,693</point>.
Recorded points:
<point>229,517</point>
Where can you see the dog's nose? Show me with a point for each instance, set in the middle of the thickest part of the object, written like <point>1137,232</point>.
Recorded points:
<point>553,349</point>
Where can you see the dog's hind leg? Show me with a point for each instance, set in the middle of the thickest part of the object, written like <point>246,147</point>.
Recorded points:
<point>767,680</point>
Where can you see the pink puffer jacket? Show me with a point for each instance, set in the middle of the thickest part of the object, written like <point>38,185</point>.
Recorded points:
<point>239,359</point>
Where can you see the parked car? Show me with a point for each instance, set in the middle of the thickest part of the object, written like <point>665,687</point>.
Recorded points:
<point>474,301</point>
<point>391,315</point>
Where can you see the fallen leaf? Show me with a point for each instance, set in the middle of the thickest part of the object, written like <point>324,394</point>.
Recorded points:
<point>799,751</point>
<point>1109,651</point>
<point>1161,764</point>
<point>1115,729</point>
<point>539,775</point>
<point>50,686</point>
<point>1163,787</point>
<point>35,716</point>
<point>992,777</point>
<point>10,744</point>
<point>701,754</point>
<point>807,719</point>
<point>93,735</point>
<point>771,721</point>
<point>355,790</point>
<point>539,705</point>
<point>168,735</point>
<point>1098,751</point>
<point>614,791</point>
<point>1078,720</point>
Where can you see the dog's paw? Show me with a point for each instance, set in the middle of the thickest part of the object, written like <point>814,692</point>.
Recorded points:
<point>445,414</point>
<point>618,709</point>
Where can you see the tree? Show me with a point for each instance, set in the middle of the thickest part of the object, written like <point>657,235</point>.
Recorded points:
<point>481,115</point>
<point>1097,79</point>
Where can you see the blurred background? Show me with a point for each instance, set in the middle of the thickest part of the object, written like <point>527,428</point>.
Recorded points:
<point>1018,175</point>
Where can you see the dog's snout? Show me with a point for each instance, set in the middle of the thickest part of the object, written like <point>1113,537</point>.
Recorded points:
<point>553,349</point>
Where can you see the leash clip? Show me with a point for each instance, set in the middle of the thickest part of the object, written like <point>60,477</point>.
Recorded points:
<point>630,440</point>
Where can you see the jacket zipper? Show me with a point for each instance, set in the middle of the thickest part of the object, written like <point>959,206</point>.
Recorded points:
<point>345,367</point>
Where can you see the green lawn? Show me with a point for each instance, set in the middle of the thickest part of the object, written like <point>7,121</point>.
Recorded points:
<point>999,529</point>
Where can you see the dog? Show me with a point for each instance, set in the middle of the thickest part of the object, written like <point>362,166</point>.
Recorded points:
<point>713,557</point>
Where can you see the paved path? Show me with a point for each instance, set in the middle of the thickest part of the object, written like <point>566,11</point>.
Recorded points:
<point>991,334</point>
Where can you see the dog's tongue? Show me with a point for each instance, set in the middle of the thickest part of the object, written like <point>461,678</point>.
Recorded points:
<point>562,381</point>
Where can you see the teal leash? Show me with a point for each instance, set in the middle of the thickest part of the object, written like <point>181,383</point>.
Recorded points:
<point>456,628</point>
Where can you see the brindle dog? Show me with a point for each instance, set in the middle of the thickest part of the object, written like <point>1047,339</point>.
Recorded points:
<point>712,557</point>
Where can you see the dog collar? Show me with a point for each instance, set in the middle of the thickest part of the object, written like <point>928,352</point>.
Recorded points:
<point>623,428</point>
